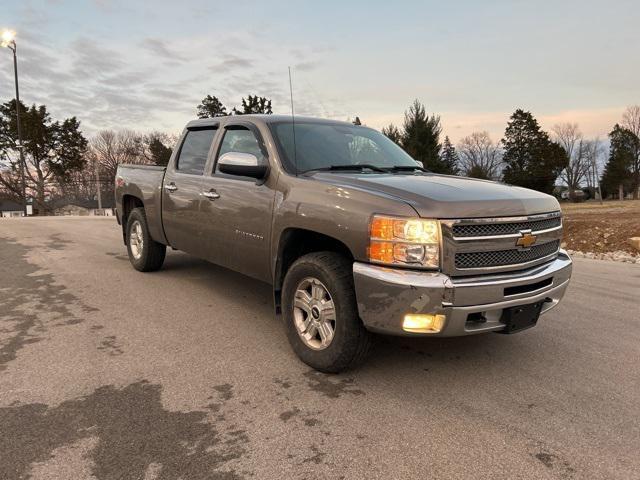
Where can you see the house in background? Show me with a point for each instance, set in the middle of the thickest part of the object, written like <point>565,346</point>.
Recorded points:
<point>82,207</point>
<point>9,208</point>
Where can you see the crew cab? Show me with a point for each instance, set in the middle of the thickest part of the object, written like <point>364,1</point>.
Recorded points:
<point>355,236</point>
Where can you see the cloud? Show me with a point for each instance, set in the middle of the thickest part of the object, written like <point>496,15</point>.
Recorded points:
<point>159,47</point>
<point>231,62</point>
<point>89,58</point>
<point>109,81</point>
<point>306,66</point>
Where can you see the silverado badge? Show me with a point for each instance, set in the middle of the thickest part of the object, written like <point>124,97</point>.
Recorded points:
<point>526,240</point>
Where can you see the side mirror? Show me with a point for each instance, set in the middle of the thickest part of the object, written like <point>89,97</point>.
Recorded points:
<point>242,164</point>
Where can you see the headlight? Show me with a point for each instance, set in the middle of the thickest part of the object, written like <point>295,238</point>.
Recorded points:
<point>404,241</point>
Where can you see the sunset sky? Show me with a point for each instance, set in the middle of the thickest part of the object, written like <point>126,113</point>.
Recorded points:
<point>146,65</point>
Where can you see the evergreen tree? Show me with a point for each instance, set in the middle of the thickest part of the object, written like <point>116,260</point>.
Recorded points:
<point>449,157</point>
<point>211,107</point>
<point>52,150</point>
<point>617,172</point>
<point>631,122</point>
<point>160,153</point>
<point>254,104</point>
<point>421,138</point>
<point>531,159</point>
<point>357,121</point>
<point>392,133</point>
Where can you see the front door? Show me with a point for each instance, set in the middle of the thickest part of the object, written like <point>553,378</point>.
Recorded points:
<point>237,211</point>
<point>182,188</point>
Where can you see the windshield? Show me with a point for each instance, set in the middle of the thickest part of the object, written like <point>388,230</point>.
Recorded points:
<point>323,145</point>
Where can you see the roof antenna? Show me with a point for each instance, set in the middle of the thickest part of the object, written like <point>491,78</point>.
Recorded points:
<point>293,121</point>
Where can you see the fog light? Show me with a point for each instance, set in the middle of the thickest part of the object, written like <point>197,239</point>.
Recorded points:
<point>420,323</point>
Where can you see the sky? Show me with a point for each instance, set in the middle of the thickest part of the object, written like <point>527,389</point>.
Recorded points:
<point>145,65</point>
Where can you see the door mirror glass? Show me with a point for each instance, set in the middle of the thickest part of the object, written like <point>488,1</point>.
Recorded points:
<point>243,164</point>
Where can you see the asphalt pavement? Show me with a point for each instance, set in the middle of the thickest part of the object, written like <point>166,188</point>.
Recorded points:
<point>109,373</point>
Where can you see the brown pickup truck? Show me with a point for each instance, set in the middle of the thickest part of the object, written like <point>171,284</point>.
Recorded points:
<point>353,234</point>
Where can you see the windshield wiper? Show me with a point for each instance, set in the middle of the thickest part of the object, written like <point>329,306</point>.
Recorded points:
<point>358,167</point>
<point>407,168</point>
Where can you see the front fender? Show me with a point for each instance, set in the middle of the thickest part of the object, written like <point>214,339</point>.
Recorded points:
<point>340,212</point>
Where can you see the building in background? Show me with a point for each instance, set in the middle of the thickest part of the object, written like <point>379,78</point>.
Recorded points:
<point>9,208</point>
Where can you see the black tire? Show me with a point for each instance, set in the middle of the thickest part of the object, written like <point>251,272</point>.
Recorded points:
<point>152,253</point>
<point>351,341</point>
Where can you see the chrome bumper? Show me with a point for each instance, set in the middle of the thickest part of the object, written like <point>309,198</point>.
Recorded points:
<point>385,295</point>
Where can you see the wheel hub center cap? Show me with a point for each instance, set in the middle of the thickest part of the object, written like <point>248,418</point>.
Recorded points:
<point>315,313</point>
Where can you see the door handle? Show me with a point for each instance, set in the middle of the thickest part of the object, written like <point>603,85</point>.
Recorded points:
<point>171,187</point>
<point>211,194</point>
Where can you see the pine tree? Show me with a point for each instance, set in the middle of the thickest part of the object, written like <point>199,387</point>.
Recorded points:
<point>357,121</point>
<point>160,153</point>
<point>617,172</point>
<point>531,159</point>
<point>421,138</point>
<point>211,107</point>
<point>449,157</point>
<point>392,133</point>
<point>254,104</point>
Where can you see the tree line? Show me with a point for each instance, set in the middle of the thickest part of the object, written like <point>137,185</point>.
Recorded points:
<point>62,162</point>
<point>527,156</point>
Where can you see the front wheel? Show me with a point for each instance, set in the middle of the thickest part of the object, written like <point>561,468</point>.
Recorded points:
<point>321,313</point>
<point>145,254</point>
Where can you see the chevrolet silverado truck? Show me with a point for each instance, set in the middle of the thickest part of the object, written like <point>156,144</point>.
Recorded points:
<point>354,235</point>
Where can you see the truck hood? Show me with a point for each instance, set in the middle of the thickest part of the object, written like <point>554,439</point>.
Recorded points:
<point>444,196</point>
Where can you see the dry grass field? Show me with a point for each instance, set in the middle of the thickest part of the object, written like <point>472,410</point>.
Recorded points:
<point>601,228</point>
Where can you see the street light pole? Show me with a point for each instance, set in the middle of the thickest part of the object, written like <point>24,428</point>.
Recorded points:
<point>10,42</point>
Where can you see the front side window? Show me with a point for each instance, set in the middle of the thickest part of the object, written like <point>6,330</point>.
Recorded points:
<point>195,150</point>
<point>241,140</point>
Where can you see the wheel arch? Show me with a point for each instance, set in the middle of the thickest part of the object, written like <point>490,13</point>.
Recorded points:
<point>296,242</point>
<point>129,202</point>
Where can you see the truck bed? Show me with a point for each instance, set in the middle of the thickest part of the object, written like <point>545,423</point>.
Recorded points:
<point>142,182</point>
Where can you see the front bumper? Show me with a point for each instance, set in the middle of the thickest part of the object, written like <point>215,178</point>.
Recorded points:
<point>386,295</point>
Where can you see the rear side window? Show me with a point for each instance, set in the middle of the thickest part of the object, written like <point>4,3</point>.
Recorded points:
<point>241,140</point>
<point>195,150</point>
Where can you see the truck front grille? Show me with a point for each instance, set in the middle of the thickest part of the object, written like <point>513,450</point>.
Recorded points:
<point>489,229</point>
<point>501,258</point>
<point>474,246</point>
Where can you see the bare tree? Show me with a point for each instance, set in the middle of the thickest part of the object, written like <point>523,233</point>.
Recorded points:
<point>593,150</point>
<point>480,157</point>
<point>112,148</point>
<point>631,121</point>
<point>570,138</point>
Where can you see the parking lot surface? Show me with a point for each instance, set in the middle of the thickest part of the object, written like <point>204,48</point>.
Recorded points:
<point>109,373</point>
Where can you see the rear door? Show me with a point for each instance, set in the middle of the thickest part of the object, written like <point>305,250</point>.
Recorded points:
<point>237,217</point>
<point>182,188</point>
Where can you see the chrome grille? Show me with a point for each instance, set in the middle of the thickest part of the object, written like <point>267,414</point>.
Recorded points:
<point>490,229</point>
<point>500,258</point>
<point>473,246</point>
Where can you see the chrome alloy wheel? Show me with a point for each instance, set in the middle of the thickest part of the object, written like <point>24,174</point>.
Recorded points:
<point>314,314</point>
<point>136,240</point>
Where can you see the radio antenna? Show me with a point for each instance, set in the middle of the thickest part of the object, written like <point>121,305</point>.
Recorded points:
<point>293,122</point>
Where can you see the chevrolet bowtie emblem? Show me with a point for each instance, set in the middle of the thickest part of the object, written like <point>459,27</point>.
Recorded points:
<point>526,240</point>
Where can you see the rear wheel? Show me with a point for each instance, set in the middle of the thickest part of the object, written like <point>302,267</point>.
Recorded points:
<point>145,254</point>
<point>321,314</point>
